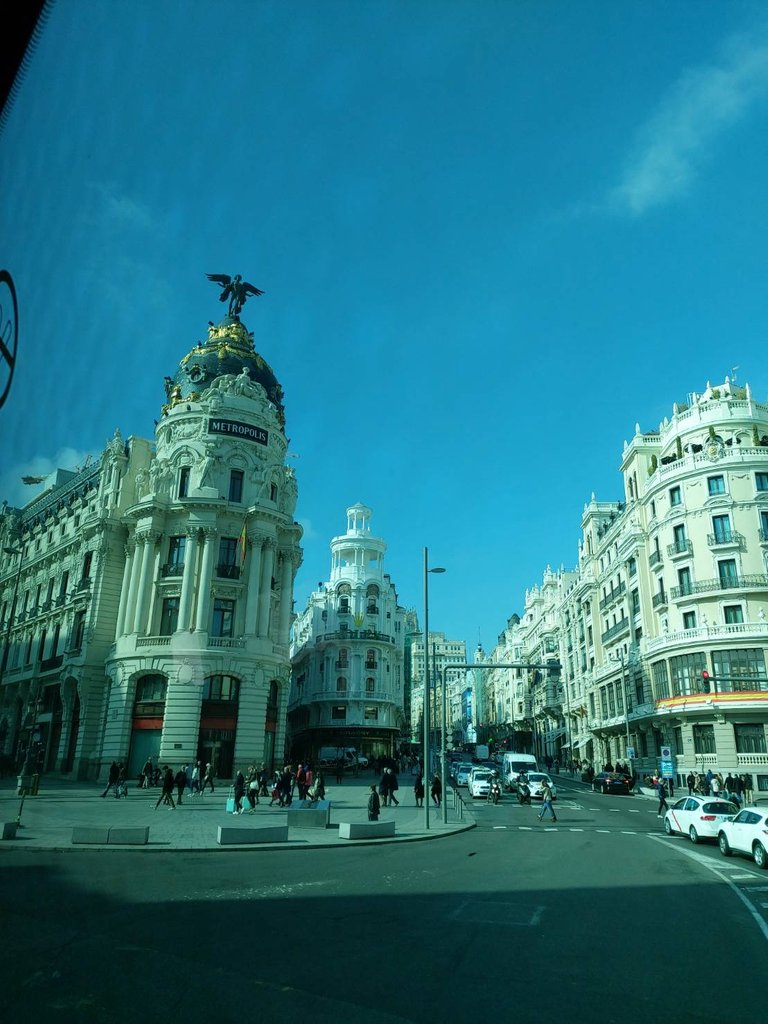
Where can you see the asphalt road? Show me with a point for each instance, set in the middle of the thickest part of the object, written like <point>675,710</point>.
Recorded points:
<point>601,918</point>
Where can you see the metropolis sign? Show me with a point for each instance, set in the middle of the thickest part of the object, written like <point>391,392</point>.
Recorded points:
<point>244,431</point>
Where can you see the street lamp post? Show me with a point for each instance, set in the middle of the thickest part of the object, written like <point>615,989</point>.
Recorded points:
<point>427,571</point>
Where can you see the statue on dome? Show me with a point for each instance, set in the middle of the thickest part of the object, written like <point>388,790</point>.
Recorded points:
<point>235,289</point>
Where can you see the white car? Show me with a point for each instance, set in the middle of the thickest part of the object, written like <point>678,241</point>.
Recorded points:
<point>536,782</point>
<point>480,783</point>
<point>746,833</point>
<point>698,817</point>
<point>462,774</point>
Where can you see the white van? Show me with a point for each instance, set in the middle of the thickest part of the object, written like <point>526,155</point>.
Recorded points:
<point>513,764</point>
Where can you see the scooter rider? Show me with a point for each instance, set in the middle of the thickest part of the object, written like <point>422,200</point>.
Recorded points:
<point>523,789</point>
<point>494,793</point>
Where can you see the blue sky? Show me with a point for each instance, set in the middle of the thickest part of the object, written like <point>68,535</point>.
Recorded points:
<point>492,237</point>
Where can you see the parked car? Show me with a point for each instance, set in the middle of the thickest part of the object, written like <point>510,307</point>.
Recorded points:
<point>462,774</point>
<point>746,833</point>
<point>536,782</point>
<point>611,782</point>
<point>480,782</point>
<point>698,817</point>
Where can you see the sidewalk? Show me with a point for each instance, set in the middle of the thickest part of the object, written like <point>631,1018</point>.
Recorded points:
<point>47,820</point>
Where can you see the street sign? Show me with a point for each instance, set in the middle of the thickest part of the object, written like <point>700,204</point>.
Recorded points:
<point>631,753</point>
<point>667,763</point>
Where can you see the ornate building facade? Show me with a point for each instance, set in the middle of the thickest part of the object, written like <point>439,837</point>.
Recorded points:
<point>147,606</point>
<point>347,653</point>
<point>661,632</point>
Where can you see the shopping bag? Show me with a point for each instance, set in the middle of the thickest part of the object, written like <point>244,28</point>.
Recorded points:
<point>231,801</point>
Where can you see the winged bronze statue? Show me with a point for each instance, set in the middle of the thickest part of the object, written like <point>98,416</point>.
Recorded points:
<point>235,289</point>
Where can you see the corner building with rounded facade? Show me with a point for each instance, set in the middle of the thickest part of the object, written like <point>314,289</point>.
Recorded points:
<point>347,654</point>
<point>199,668</point>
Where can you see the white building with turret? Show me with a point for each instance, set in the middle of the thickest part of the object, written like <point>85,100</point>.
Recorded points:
<point>347,653</point>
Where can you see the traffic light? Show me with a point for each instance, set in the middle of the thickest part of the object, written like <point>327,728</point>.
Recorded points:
<point>705,681</point>
<point>553,672</point>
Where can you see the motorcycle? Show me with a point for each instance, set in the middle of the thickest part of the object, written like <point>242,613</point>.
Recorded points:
<point>494,793</point>
<point>523,792</point>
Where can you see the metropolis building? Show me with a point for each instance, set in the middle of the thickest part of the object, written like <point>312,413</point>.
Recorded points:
<point>662,629</point>
<point>347,653</point>
<point>146,600</point>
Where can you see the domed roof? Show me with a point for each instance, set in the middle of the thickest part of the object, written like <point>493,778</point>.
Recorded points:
<point>228,350</point>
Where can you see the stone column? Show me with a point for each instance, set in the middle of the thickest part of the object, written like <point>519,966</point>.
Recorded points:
<point>286,597</point>
<point>130,547</point>
<point>142,593</point>
<point>187,580</point>
<point>204,583</point>
<point>265,589</point>
<point>130,602</point>
<point>252,592</point>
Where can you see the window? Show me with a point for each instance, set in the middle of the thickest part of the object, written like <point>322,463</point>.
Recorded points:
<point>151,688</point>
<point>726,570</point>
<point>223,618</point>
<point>675,496</point>
<point>686,673</point>
<point>653,510</point>
<point>722,529</point>
<point>750,739</point>
<point>370,659</point>
<point>635,602</point>
<point>660,680</point>
<point>763,525</point>
<point>273,492</point>
<point>236,478</point>
<point>761,481</point>
<point>63,585</point>
<point>371,714</point>
<point>679,539</point>
<point>339,712</point>
<point>341,684</point>
<point>689,620</point>
<point>370,684</point>
<point>604,702</point>
<point>343,657</point>
<point>184,481</point>
<point>78,629</point>
<point>684,579</point>
<point>677,732</point>
<point>732,614</point>
<point>227,564</point>
<point>632,566</point>
<point>704,739</point>
<point>169,617</point>
<point>221,687</point>
<point>716,484</point>
<point>87,563</point>
<point>740,670</point>
<point>176,548</point>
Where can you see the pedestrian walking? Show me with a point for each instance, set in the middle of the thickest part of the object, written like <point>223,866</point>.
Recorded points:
<point>166,794</point>
<point>114,775</point>
<point>317,790</point>
<point>374,804</point>
<point>661,792</point>
<point>181,782</point>
<point>546,802</point>
<point>394,785</point>
<point>239,788</point>
<point>121,786</point>
<point>436,790</point>
<point>384,788</point>
<point>207,779</point>
<point>418,791</point>
<point>339,770</point>
<point>195,779</point>
<point>263,780</point>
<point>691,781</point>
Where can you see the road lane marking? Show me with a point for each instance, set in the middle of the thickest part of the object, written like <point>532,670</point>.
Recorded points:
<point>628,833</point>
<point>633,811</point>
<point>756,888</point>
<point>497,827</point>
<point>606,831</point>
<point>576,830</point>
<point>737,877</point>
<point>706,863</point>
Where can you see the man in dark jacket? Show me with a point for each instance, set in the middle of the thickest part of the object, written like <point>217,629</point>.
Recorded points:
<point>166,795</point>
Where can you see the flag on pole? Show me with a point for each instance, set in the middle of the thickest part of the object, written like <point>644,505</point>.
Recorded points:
<point>243,543</point>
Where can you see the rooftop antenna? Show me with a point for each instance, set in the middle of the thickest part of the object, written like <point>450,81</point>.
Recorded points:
<point>733,374</point>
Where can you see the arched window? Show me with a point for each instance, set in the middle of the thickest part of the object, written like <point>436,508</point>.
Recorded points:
<point>221,687</point>
<point>370,684</point>
<point>370,658</point>
<point>344,592</point>
<point>371,596</point>
<point>343,661</point>
<point>341,684</point>
<point>151,688</point>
